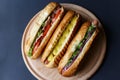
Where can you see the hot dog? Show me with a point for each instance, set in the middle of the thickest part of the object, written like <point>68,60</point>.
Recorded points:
<point>62,36</point>
<point>78,48</point>
<point>43,27</point>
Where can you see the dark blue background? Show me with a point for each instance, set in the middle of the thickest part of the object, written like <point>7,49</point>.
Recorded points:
<point>14,16</point>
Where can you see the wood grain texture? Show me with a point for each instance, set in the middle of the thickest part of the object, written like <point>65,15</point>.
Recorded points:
<point>88,67</point>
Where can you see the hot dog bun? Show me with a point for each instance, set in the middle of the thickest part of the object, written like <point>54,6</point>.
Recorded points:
<point>79,36</point>
<point>37,25</point>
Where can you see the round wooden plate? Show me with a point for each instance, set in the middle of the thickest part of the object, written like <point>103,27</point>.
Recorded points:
<point>89,65</point>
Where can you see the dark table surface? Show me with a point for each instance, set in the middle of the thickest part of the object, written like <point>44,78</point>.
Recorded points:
<point>14,16</point>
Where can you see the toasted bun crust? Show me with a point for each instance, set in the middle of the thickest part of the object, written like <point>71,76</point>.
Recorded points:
<point>37,24</point>
<point>56,35</point>
<point>47,37</point>
<point>71,70</point>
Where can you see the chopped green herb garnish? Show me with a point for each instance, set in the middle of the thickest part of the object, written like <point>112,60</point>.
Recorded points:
<point>30,52</point>
<point>88,31</point>
<point>38,34</point>
<point>90,28</point>
<point>43,24</point>
<point>80,44</point>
